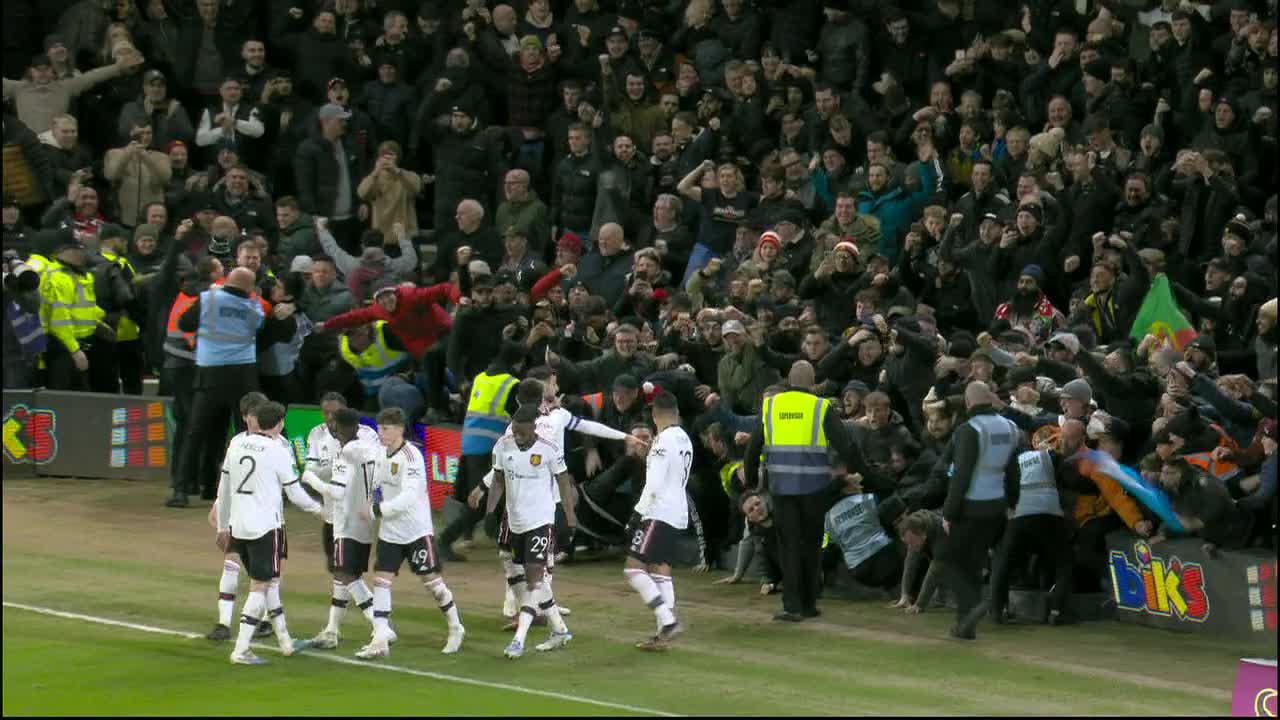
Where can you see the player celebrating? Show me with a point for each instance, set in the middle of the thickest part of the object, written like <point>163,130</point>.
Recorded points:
<point>663,511</point>
<point>256,469</point>
<point>343,450</point>
<point>526,469</point>
<point>400,499</point>
<point>230,578</point>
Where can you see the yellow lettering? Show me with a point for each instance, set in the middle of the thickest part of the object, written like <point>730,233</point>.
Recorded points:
<point>1157,570</point>
<point>1172,589</point>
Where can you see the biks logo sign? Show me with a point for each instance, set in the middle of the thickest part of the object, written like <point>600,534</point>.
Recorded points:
<point>1169,588</point>
<point>30,436</point>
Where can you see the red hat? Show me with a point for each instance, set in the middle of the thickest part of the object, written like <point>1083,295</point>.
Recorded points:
<point>769,236</point>
<point>660,294</point>
<point>176,143</point>
<point>847,246</point>
<point>570,241</point>
<point>648,391</point>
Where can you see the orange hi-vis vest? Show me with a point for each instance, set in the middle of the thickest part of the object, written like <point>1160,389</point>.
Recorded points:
<point>596,401</point>
<point>176,342</point>
<point>1221,469</point>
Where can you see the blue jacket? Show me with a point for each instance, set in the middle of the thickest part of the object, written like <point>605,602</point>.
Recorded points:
<point>896,209</point>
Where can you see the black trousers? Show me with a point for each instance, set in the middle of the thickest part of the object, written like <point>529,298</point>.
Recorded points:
<point>471,474</point>
<point>1043,535</point>
<point>884,568</point>
<point>104,369</point>
<point>1091,549</point>
<point>177,383</point>
<point>799,522</point>
<point>130,362</point>
<point>433,366</point>
<point>966,556</point>
<point>61,370</point>
<point>216,406</point>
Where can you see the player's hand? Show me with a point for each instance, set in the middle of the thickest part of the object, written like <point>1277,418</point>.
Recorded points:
<point>223,541</point>
<point>473,500</point>
<point>731,580</point>
<point>213,516</point>
<point>593,463</point>
<point>81,360</point>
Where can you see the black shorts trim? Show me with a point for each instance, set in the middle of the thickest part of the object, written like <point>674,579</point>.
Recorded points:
<point>261,557</point>
<point>536,547</point>
<point>326,541</point>
<point>420,554</point>
<point>504,533</point>
<point>351,557</point>
<point>652,541</point>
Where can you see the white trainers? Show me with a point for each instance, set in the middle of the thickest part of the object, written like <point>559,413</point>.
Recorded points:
<point>246,658</point>
<point>289,646</point>
<point>564,611</point>
<point>554,641</point>
<point>514,650</point>
<point>373,650</point>
<point>454,643</point>
<point>392,637</point>
<point>326,640</point>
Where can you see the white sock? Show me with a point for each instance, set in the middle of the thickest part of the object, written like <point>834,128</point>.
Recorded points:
<point>547,606</point>
<point>515,577</point>
<point>528,611</point>
<point>650,594</point>
<point>254,605</point>
<point>444,601</point>
<point>667,587</point>
<point>275,611</point>
<point>227,591</point>
<point>337,607</point>
<point>364,599</point>
<point>382,606</point>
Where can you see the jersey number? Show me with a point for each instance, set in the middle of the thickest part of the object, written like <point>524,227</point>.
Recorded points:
<point>366,468</point>
<point>687,458</point>
<point>253,465</point>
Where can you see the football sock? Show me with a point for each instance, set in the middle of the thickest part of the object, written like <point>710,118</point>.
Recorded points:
<point>227,591</point>
<point>364,599</point>
<point>667,587</point>
<point>254,605</point>
<point>275,611</point>
<point>528,611</point>
<point>337,607</point>
<point>444,600</point>
<point>515,578</point>
<point>382,606</point>
<point>547,606</point>
<point>650,594</point>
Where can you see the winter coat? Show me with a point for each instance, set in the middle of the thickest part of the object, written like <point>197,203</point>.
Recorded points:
<point>316,174</point>
<point>895,208</point>
<point>136,181</point>
<point>392,194</point>
<point>37,105</point>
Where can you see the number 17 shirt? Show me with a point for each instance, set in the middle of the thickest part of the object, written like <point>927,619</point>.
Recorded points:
<point>666,475</point>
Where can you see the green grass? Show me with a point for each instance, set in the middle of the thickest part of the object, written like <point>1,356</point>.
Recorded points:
<point>143,564</point>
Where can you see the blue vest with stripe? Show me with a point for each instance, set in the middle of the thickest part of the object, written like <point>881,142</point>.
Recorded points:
<point>997,441</point>
<point>229,327</point>
<point>1038,491</point>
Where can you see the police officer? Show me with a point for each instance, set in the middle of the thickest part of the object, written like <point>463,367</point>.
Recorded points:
<point>229,322</point>
<point>69,310</point>
<point>489,409</point>
<point>797,432</point>
<point>375,354</point>
<point>114,362</point>
<point>985,452</point>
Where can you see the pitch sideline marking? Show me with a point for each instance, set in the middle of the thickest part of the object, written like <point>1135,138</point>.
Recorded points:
<point>347,661</point>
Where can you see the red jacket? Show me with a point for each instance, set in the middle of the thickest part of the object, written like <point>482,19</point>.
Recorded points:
<point>419,320</point>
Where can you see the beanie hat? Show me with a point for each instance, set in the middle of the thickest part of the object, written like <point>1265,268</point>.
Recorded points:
<point>769,237</point>
<point>1098,69</point>
<point>1154,131</point>
<point>1034,271</point>
<point>570,241</point>
<point>151,231</point>
<point>1238,227</point>
<point>1078,389</point>
<point>846,246</point>
<point>1034,210</point>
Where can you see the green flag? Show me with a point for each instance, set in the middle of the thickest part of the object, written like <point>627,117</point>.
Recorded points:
<point>1161,316</point>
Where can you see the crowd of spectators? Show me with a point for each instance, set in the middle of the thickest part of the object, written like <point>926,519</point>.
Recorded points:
<point>910,195</point>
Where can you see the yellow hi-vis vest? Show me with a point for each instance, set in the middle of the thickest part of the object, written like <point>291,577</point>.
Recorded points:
<point>68,305</point>
<point>126,329</point>
<point>375,363</point>
<point>487,416</point>
<point>795,445</point>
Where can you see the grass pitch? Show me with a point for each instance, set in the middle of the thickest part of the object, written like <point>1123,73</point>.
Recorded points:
<point>135,586</point>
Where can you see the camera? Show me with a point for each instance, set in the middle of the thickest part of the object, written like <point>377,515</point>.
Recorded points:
<point>19,276</point>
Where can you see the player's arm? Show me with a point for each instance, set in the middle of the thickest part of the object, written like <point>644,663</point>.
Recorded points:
<point>595,429</point>
<point>496,491</point>
<point>568,493</point>
<point>412,491</point>
<point>335,489</point>
<point>292,485</point>
<point>222,506</point>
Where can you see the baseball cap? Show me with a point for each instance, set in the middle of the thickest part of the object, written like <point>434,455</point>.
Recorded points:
<point>153,75</point>
<point>733,326</point>
<point>333,111</point>
<point>626,381</point>
<point>615,30</point>
<point>1067,340</point>
<point>41,60</point>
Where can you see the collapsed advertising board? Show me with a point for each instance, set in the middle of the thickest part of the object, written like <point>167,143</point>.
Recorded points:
<point>1175,585</point>
<point>92,435</point>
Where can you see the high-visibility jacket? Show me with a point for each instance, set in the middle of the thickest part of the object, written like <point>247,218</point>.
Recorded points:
<point>177,343</point>
<point>228,331</point>
<point>39,263</point>
<point>795,444</point>
<point>596,401</point>
<point>68,305</point>
<point>375,363</point>
<point>487,416</point>
<point>1221,469</point>
<point>729,476</point>
<point>126,328</point>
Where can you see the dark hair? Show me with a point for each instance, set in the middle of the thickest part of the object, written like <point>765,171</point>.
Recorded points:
<point>917,523</point>
<point>369,238</point>
<point>529,392</point>
<point>269,414</point>
<point>391,416</point>
<point>347,420</point>
<point>666,402</point>
<point>541,373</point>
<point>324,259</point>
<point>250,402</point>
<point>334,396</point>
<point>288,201</point>
<point>525,415</point>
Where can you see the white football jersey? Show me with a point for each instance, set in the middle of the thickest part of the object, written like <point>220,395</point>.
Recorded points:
<point>322,451</point>
<point>406,507</point>
<point>255,471</point>
<point>354,471</point>
<point>530,478</point>
<point>665,478</point>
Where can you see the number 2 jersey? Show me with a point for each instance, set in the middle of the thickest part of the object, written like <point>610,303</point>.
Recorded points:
<point>255,470</point>
<point>530,481</point>
<point>322,452</point>
<point>666,474</point>
<point>406,508</point>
